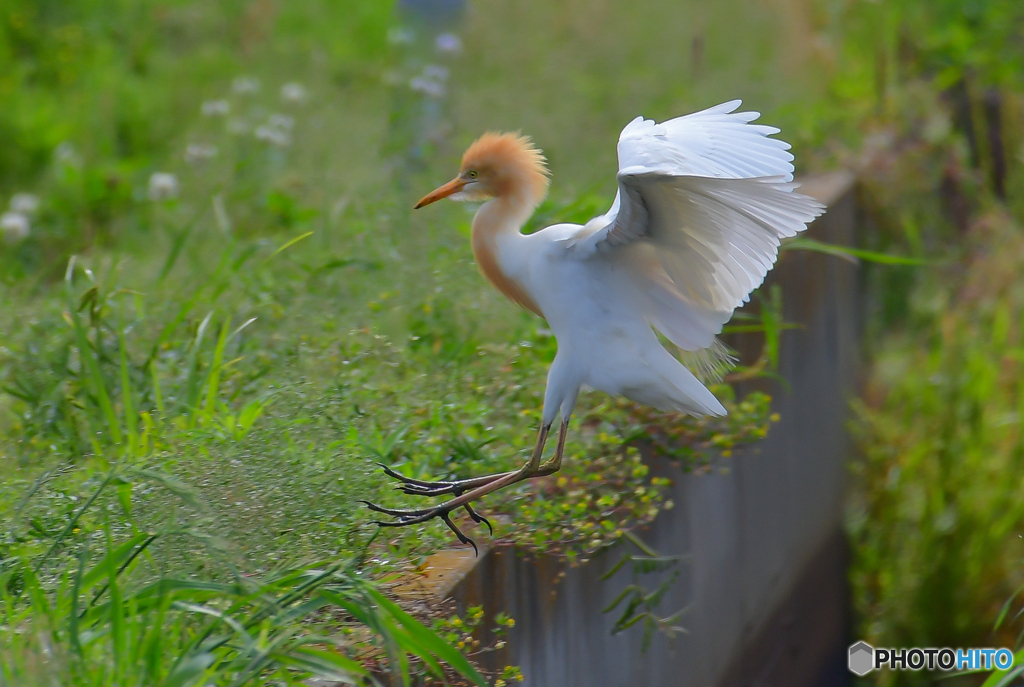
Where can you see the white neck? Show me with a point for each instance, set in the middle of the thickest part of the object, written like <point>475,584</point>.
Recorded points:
<point>496,222</point>
<point>502,215</point>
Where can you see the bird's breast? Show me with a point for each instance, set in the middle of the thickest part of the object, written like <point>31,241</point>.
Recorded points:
<point>488,260</point>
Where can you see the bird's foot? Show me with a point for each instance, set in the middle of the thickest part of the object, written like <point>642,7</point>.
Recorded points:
<point>443,511</point>
<point>418,487</point>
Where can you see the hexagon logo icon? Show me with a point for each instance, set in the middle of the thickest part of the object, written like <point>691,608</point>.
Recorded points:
<point>861,659</point>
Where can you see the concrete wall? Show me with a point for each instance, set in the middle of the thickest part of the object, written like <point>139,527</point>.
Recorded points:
<point>764,583</point>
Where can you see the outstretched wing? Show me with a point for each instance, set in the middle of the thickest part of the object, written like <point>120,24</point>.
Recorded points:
<point>703,202</point>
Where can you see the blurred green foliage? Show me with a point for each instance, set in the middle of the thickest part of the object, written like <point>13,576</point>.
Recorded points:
<point>935,516</point>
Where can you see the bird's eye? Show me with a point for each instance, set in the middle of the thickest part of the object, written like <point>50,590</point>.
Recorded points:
<point>472,174</point>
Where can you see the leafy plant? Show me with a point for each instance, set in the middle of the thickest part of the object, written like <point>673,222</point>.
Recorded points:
<point>638,603</point>
<point>103,621</point>
<point>184,632</point>
<point>463,633</point>
<point>935,520</point>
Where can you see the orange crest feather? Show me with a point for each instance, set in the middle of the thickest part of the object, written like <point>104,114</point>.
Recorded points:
<point>511,159</point>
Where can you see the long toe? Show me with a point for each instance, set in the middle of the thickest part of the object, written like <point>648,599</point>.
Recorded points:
<point>413,517</point>
<point>398,513</point>
<point>437,489</point>
<point>458,533</point>
<point>477,518</point>
<point>408,480</point>
<point>419,487</point>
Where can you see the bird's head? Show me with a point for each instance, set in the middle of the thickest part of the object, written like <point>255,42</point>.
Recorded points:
<point>497,166</point>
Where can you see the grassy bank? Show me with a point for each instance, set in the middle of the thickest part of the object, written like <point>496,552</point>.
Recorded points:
<point>221,315</point>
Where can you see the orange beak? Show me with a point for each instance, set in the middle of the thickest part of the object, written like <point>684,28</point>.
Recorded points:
<point>453,186</point>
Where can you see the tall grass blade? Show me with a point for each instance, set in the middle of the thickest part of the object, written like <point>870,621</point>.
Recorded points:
<point>117,610</point>
<point>428,639</point>
<point>221,616</point>
<point>213,375</point>
<point>851,254</point>
<point>76,585</point>
<point>176,246</point>
<point>324,664</point>
<point>88,355</point>
<point>76,517</point>
<point>288,244</point>
<point>192,383</point>
<point>130,418</point>
<point>189,671</point>
<point>116,557</point>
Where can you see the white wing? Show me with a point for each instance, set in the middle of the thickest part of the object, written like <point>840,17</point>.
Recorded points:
<point>703,202</point>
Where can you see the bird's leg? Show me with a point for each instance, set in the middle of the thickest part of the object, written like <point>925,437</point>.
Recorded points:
<point>481,487</point>
<point>538,451</point>
<point>555,464</point>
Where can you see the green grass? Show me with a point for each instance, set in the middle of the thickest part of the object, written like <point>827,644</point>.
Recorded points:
<point>197,388</point>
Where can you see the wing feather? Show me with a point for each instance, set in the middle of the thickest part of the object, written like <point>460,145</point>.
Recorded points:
<point>710,196</point>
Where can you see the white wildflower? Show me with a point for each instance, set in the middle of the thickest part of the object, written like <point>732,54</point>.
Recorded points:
<point>430,87</point>
<point>277,130</point>
<point>197,152</point>
<point>293,92</point>
<point>216,108</point>
<point>274,135</point>
<point>66,154</point>
<point>280,121</point>
<point>15,226</point>
<point>24,203</point>
<point>245,84</point>
<point>431,82</point>
<point>162,186</point>
<point>449,43</point>
<point>401,35</point>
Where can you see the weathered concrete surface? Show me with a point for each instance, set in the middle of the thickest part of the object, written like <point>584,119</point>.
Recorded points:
<point>764,583</point>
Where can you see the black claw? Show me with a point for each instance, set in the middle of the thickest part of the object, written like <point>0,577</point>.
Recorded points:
<point>477,518</point>
<point>397,475</point>
<point>413,517</point>
<point>416,487</point>
<point>458,533</point>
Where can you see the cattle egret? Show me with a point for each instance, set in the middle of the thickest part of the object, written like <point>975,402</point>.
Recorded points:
<point>703,201</point>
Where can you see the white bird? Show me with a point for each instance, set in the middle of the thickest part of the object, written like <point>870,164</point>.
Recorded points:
<point>702,204</point>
